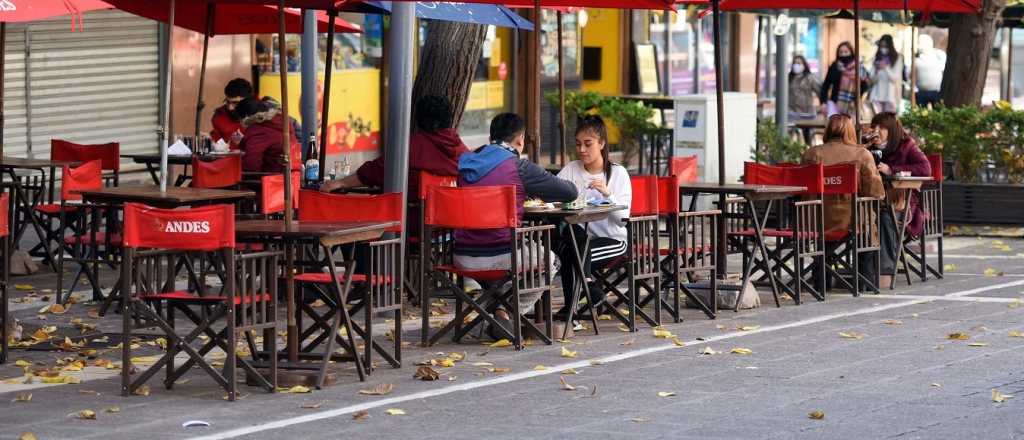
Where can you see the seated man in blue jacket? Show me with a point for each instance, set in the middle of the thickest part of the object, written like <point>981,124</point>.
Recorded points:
<point>499,163</point>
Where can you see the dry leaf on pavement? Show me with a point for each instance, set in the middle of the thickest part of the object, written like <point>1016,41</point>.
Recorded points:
<point>142,391</point>
<point>379,390</point>
<point>851,335</point>
<point>316,405</point>
<point>570,371</point>
<point>540,368</point>
<point>499,370</point>
<point>112,410</point>
<point>978,344</point>
<point>707,351</point>
<point>566,353</point>
<point>662,333</point>
<point>22,397</point>
<point>27,436</point>
<point>85,414</point>
<point>678,342</point>
<point>395,412</point>
<point>1000,397</point>
<point>360,415</point>
<point>666,394</point>
<point>299,389</point>
<point>639,419</point>
<point>894,322</point>
<point>816,415</point>
<point>958,336</point>
<point>936,385</point>
<point>501,343</point>
<point>1016,334</point>
<point>748,328</point>
<point>426,373</point>
<point>623,328</point>
<point>565,385</point>
<point>739,350</point>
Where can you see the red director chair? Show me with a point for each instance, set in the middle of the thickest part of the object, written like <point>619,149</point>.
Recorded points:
<point>639,266</point>
<point>222,172</point>
<point>844,247</point>
<point>379,284</point>
<point>691,249</point>
<point>416,268</point>
<point>458,211</point>
<point>108,154</point>
<point>154,239</point>
<point>5,271</point>
<point>87,243</point>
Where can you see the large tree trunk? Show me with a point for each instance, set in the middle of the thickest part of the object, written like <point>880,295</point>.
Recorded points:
<point>448,63</point>
<point>970,47</point>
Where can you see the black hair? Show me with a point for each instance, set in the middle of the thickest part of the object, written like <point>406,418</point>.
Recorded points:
<point>506,127</point>
<point>593,124</point>
<point>433,113</point>
<point>238,88</point>
<point>848,47</point>
<point>250,106</point>
<point>893,56</point>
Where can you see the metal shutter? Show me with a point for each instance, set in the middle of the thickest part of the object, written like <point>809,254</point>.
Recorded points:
<point>93,86</point>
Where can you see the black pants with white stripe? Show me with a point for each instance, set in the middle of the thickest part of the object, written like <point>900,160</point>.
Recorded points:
<point>602,251</point>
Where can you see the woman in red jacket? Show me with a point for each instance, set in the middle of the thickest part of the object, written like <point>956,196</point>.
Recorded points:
<point>261,142</point>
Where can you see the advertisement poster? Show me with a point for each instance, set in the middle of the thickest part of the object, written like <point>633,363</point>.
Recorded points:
<point>354,119</point>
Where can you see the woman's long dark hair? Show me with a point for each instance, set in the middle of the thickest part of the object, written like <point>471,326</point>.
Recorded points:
<point>897,135</point>
<point>849,47</point>
<point>807,69</point>
<point>595,125</point>
<point>893,56</point>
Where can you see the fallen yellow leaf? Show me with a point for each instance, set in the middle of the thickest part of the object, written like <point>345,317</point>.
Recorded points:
<point>1013,304</point>
<point>662,333</point>
<point>1016,334</point>
<point>990,272</point>
<point>360,415</point>
<point>446,362</point>
<point>86,414</point>
<point>978,344</point>
<point>540,368</point>
<point>394,412</point>
<point>851,335</point>
<point>678,342</point>
<point>379,390</point>
<point>501,343</point>
<point>27,436</point>
<point>142,391</point>
<point>958,336</point>
<point>569,371</point>
<point>605,317</point>
<point>112,410</point>
<point>426,373</point>
<point>816,415</point>
<point>298,389</point>
<point>1000,397</point>
<point>741,351</point>
<point>623,328</point>
<point>23,397</point>
<point>24,287</point>
<point>894,322</point>
<point>482,364</point>
<point>22,363</point>
<point>499,370</point>
<point>749,328</point>
<point>566,353</point>
<point>949,267</point>
<point>456,356</point>
<point>666,394</point>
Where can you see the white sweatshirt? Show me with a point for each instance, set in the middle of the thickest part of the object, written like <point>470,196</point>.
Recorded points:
<point>621,194</point>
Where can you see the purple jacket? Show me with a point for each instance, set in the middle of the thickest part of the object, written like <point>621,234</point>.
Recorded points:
<point>493,165</point>
<point>908,157</point>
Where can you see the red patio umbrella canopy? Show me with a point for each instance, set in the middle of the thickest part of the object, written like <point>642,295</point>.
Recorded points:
<point>228,18</point>
<point>620,4</point>
<point>955,6</point>
<point>31,10</point>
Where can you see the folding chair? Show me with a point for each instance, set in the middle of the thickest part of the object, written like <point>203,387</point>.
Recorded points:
<point>380,283</point>
<point>154,239</point>
<point>416,267</point>
<point>844,247</point>
<point>684,169</point>
<point>82,231</point>
<point>931,203</point>
<point>5,273</point>
<point>271,200</point>
<point>461,211</point>
<point>799,234</point>
<point>108,154</point>
<point>222,172</point>
<point>691,249</point>
<point>640,266</point>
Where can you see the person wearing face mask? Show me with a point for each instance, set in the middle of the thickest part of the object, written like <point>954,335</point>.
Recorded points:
<point>499,163</point>
<point>900,154</point>
<point>886,77</point>
<point>839,90</point>
<point>803,86</point>
<point>598,179</point>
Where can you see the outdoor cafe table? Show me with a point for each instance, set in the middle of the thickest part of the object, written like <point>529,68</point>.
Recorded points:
<point>22,205</point>
<point>576,217</point>
<point>327,235</point>
<point>750,195</point>
<point>901,187</point>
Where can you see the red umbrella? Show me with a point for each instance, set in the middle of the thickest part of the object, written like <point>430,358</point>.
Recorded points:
<point>228,18</point>
<point>961,6</point>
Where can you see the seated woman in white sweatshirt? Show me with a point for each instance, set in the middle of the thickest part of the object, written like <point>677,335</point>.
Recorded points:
<point>596,179</point>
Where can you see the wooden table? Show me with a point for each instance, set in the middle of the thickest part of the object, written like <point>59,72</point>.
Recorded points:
<point>750,194</point>
<point>327,235</point>
<point>22,206</point>
<point>152,163</point>
<point>172,198</point>
<point>903,185</point>
<point>576,217</point>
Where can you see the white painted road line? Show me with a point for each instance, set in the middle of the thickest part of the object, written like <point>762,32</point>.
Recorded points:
<point>983,257</point>
<point>911,300</point>
<point>979,299</point>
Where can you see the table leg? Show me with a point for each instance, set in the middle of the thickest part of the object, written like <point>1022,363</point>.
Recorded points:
<point>342,315</point>
<point>900,235</point>
<point>759,241</point>
<point>582,281</point>
<point>152,172</point>
<point>25,206</point>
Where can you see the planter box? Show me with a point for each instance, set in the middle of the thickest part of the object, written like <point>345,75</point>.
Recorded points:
<point>984,203</point>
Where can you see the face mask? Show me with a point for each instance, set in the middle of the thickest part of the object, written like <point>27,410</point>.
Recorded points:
<point>883,50</point>
<point>798,68</point>
<point>846,58</point>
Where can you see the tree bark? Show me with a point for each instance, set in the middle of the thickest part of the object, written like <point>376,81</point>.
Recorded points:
<point>448,63</point>
<point>970,47</point>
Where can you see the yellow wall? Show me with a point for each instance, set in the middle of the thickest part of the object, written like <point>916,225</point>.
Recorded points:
<point>603,30</point>
<point>354,118</point>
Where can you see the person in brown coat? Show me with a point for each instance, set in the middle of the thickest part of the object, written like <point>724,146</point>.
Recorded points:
<point>841,147</point>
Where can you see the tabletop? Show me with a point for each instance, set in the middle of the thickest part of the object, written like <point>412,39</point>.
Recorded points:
<point>332,233</point>
<point>906,182</point>
<point>585,215</point>
<point>21,162</point>
<point>739,188</point>
<point>176,159</point>
<point>176,196</point>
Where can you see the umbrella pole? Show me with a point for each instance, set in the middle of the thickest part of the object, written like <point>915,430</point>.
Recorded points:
<point>561,94</point>
<point>716,35</point>
<point>166,131</point>
<point>1009,66</point>
<point>328,67</point>
<point>202,69</point>
<point>293,330</point>
<point>913,66</point>
<point>857,68</point>
<point>3,54</point>
<point>535,86</point>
